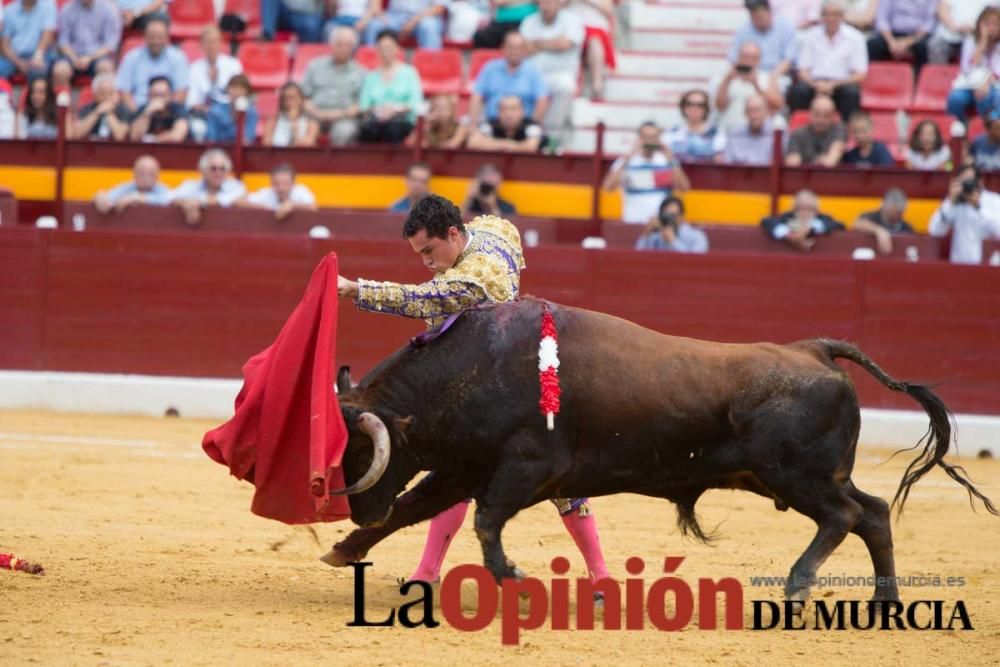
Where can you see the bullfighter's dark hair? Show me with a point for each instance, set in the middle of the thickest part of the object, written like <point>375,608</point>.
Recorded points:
<point>435,215</point>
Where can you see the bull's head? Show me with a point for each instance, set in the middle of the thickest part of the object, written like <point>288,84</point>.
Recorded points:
<point>376,469</point>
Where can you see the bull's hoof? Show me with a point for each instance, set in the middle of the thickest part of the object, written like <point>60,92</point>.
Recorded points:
<point>339,557</point>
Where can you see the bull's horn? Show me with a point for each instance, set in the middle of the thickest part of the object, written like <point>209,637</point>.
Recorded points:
<point>373,427</point>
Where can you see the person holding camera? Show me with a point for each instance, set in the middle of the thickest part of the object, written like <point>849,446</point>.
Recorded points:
<point>484,197</point>
<point>646,176</point>
<point>744,80</point>
<point>670,232</point>
<point>800,226</point>
<point>971,213</point>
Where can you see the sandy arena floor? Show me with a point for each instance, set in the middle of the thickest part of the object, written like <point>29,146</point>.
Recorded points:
<point>153,557</point>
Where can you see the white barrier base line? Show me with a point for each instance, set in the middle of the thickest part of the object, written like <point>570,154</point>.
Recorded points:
<point>212,398</point>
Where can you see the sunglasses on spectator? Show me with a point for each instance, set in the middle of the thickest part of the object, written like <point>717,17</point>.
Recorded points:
<point>703,105</point>
<point>217,167</point>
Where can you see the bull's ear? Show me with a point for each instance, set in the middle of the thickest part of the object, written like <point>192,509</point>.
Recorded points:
<point>403,423</point>
<point>344,380</point>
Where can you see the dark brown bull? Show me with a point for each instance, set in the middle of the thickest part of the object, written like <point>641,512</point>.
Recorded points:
<point>641,413</point>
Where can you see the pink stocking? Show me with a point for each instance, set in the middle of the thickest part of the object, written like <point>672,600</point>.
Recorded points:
<point>583,530</point>
<point>442,530</point>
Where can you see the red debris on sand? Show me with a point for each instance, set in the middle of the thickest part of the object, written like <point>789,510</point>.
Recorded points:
<point>12,562</point>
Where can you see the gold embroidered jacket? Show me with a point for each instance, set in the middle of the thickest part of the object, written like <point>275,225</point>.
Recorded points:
<point>488,270</point>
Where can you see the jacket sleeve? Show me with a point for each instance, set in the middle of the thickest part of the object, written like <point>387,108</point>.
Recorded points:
<point>431,299</point>
<point>773,224</point>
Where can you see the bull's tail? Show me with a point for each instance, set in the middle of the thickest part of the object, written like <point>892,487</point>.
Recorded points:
<point>936,441</point>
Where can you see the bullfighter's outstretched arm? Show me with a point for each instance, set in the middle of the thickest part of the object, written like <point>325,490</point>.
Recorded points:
<point>433,299</point>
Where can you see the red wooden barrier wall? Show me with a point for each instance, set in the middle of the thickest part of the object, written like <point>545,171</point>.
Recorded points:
<point>201,304</point>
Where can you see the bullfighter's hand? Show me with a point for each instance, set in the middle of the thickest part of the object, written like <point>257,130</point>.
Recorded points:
<point>346,289</point>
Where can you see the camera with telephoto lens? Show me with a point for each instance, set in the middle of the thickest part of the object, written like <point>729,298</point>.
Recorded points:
<point>486,189</point>
<point>969,187</point>
<point>668,219</point>
<point>743,69</point>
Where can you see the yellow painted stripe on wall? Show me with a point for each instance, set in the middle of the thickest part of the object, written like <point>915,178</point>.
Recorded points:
<point>82,183</point>
<point>535,199</point>
<point>29,182</point>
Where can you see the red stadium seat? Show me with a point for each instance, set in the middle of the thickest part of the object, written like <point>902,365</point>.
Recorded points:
<point>249,11</point>
<point>887,87</point>
<point>976,128</point>
<point>933,87</point>
<point>304,55</point>
<point>187,18</point>
<point>267,103</point>
<point>367,56</point>
<point>265,64</point>
<point>884,128</point>
<point>191,49</point>
<point>440,71</point>
<point>85,98</point>
<point>479,58</point>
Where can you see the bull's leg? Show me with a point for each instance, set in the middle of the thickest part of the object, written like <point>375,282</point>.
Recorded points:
<point>835,515</point>
<point>515,482</point>
<point>432,495</point>
<point>875,529</point>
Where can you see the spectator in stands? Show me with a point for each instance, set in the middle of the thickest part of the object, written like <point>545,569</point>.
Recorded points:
<point>8,116</point>
<point>510,75</point>
<point>597,17</point>
<point>744,80</point>
<point>956,21</point>
<point>283,196</point>
<point>105,117</point>
<point>510,132</point>
<point>507,17</point>
<point>221,117</point>
<point>821,142</point>
<point>902,28</point>
<point>216,187</point>
<point>670,232</point>
<point>555,37</point>
<point>861,13</point>
<point>418,181</point>
<point>985,149</point>
<point>800,226</point>
<point>974,90</point>
<point>886,221</point>
<point>303,17</point>
<point>465,17</point>
<point>161,119</point>
<point>647,175</point>
<point>423,19</point>
<point>391,95</point>
<point>697,138</point>
<point>484,194</point>
<point>135,14</point>
<point>802,14</point>
<point>333,86</point>
<point>773,33</point>
<point>89,34</point>
<point>39,119</point>
<point>292,126</point>
<point>155,59</point>
<point>832,60</point>
<point>927,149</point>
<point>354,14</point>
<point>144,188</point>
<point>27,37</point>
<point>970,213</point>
<point>210,74</point>
<point>753,143</point>
<point>441,128</point>
<point>867,152</point>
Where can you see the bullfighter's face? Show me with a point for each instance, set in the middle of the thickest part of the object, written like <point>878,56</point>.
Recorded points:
<point>438,254</point>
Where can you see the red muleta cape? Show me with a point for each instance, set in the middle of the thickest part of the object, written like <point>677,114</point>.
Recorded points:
<point>288,434</point>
